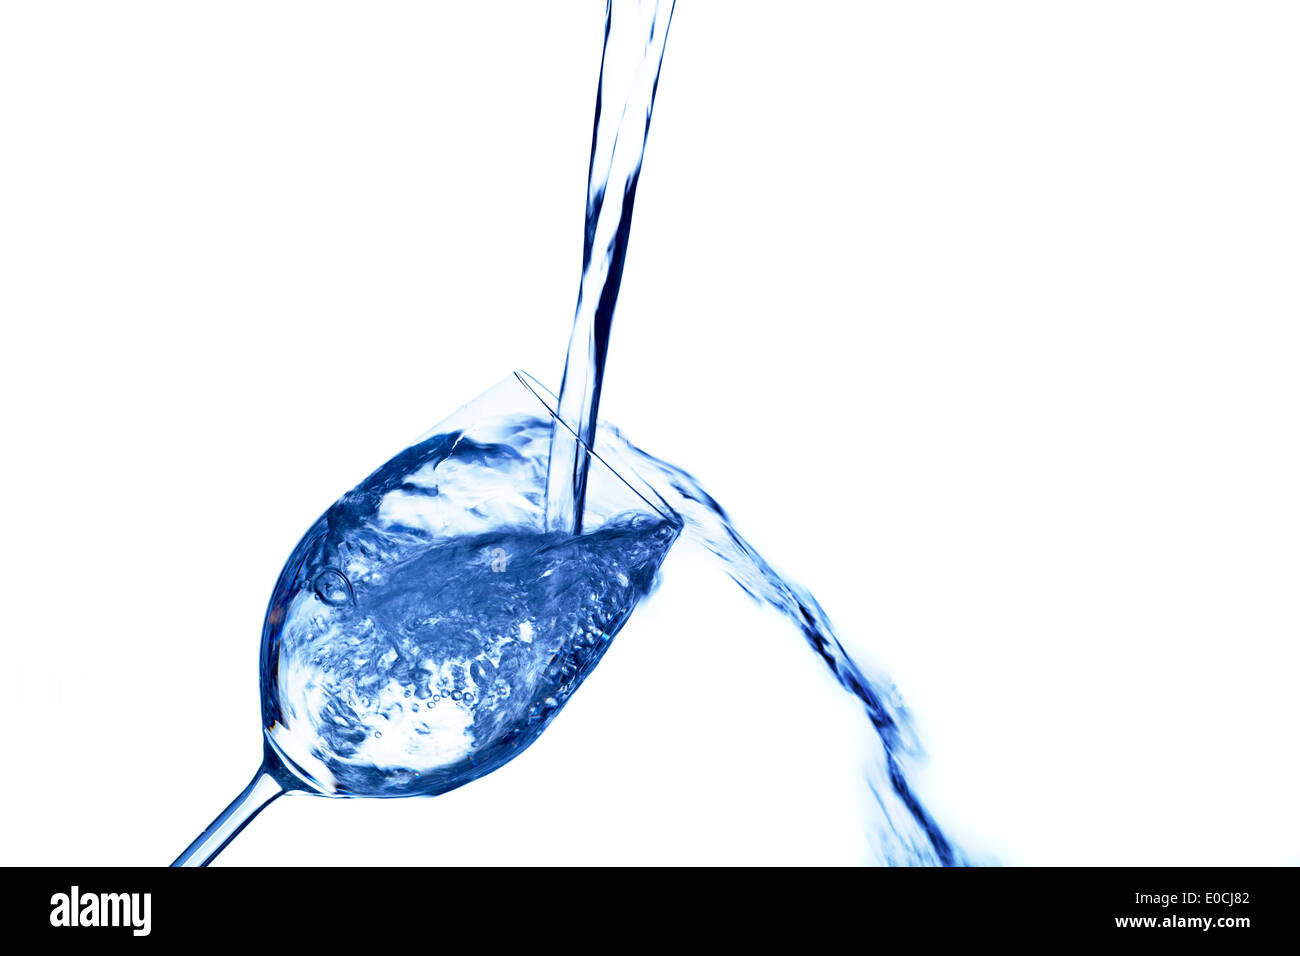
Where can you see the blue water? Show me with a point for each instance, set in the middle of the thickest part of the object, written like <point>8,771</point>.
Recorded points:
<point>905,834</point>
<point>437,617</point>
<point>635,34</point>
<point>635,37</point>
<point>428,628</point>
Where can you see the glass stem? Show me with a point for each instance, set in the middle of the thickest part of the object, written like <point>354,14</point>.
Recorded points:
<point>261,791</point>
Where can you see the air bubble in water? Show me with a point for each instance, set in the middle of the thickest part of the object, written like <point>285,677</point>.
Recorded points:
<point>332,586</point>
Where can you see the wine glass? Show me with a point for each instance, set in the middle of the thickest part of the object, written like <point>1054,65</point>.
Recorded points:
<point>427,628</point>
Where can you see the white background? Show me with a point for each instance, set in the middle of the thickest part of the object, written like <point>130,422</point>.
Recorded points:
<point>980,318</point>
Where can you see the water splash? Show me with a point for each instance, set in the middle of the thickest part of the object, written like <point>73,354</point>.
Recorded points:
<point>906,833</point>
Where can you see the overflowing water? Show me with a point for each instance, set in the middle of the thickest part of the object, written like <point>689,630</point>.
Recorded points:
<point>905,833</point>
<point>436,618</point>
<point>428,627</point>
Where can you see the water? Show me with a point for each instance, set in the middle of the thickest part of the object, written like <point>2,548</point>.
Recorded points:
<point>635,35</point>
<point>428,628</point>
<point>905,833</point>
<point>447,660</point>
<point>432,623</point>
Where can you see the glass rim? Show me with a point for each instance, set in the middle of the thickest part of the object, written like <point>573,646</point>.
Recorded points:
<point>646,492</point>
